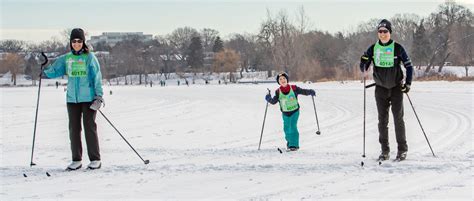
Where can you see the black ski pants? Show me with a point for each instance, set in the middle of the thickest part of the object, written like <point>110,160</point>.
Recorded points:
<point>384,98</point>
<point>75,112</point>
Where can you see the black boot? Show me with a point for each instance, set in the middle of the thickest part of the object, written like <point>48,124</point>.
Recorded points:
<point>292,148</point>
<point>401,156</point>
<point>384,156</point>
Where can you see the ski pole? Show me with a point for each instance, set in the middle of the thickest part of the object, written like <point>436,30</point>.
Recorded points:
<point>365,88</point>
<point>420,124</point>
<point>316,114</point>
<point>144,161</point>
<point>363,149</point>
<point>37,106</point>
<point>263,125</point>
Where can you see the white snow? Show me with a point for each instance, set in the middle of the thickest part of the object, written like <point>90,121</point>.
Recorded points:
<point>202,143</point>
<point>25,80</point>
<point>172,79</point>
<point>458,71</point>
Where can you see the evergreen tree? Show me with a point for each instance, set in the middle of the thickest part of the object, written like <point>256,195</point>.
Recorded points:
<point>195,54</point>
<point>218,45</point>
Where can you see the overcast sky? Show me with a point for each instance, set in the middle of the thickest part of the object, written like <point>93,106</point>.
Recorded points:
<point>37,20</point>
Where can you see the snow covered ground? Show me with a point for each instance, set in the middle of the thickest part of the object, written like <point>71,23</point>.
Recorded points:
<point>202,142</point>
<point>172,79</point>
<point>458,71</point>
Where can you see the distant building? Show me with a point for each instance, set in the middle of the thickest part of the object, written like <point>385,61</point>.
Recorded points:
<point>112,38</point>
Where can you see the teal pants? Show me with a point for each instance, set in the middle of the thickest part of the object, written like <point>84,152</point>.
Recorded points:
<point>292,135</point>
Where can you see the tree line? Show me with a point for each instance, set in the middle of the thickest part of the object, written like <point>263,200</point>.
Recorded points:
<point>282,43</point>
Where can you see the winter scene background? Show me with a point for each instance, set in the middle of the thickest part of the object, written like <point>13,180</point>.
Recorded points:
<point>201,131</point>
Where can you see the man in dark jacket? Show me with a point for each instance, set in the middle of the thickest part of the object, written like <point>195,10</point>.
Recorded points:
<point>387,57</point>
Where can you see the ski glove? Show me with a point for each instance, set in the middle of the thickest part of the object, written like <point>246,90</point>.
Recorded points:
<point>268,97</point>
<point>97,103</point>
<point>312,92</point>
<point>364,59</point>
<point>405,88</point>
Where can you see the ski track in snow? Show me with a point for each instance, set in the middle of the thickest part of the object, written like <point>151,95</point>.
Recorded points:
<point>202,144</point>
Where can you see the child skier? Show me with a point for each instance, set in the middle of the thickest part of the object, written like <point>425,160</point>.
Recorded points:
<point>287,96</point>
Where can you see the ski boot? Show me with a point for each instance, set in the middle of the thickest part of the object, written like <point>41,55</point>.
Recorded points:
<point>401,156</point>
<point>384,156</point>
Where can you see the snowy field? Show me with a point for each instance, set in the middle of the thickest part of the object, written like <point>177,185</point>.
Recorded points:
<point>202,144</point>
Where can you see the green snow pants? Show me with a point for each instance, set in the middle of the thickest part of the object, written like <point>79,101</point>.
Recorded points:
<point>291,130</point>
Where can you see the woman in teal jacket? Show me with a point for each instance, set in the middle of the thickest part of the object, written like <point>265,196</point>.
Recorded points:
<point>84,97</point>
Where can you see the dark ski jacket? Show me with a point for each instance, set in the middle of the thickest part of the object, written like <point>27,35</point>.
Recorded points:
<point>390,77</point>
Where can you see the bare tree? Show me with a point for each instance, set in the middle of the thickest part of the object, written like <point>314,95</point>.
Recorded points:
<point>245,46</point>
<point>128,58</point>
<point>226,61</point>
<point>442,24</point>
<point>167,55</point>
<point>368,27</point>
<point>404,26</point>
<point>208,36</point>
<point>54,45</point>
<point>350,58</point>
<point>180,38</point>
<point>13,62</point>
<point>303,21</point>
<point>65,34</point>
<point>421,47</point>
<point>32,68</point>
<point>463,46</point>
<point>12,46</point>
<point>277,38</point>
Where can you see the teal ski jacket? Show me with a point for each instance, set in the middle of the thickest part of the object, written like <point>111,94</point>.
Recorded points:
<point>79,89</point>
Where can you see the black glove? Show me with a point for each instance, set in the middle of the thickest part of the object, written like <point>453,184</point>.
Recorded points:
<point>364,59</point>
<point>312,92</point>
<point>97,103</point>
<point>268,97</point>
<point>405,88</point>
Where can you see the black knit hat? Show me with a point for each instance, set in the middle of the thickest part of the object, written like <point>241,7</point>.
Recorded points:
<point>386,24</point>
<point>78,33</point>
<point>281,74</point>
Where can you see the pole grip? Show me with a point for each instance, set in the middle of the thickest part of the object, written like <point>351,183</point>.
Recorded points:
<point>45,59</point>
<point>370,85</point>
